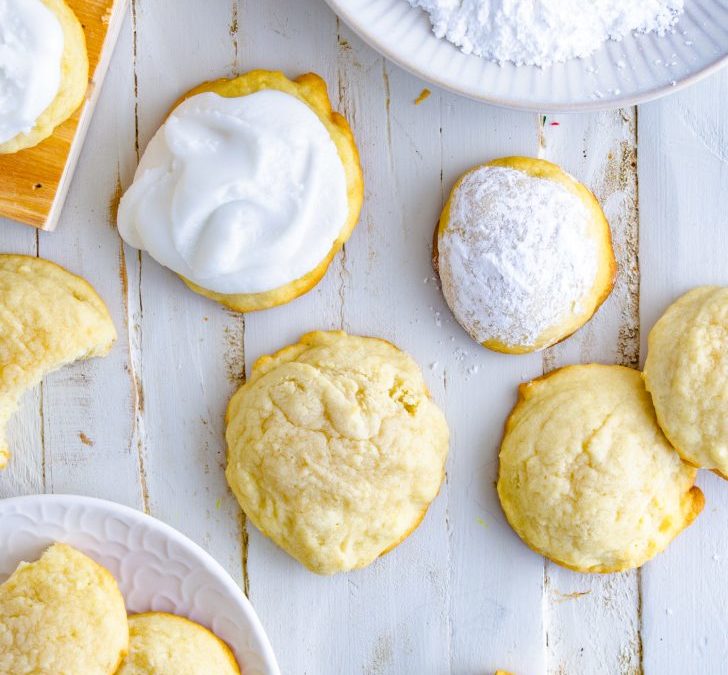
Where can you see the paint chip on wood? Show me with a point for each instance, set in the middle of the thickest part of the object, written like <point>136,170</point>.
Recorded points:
<point>424,95</point>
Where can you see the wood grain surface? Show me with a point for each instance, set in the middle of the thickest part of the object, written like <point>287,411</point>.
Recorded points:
<point>144,426</point>
<point>35,181</point>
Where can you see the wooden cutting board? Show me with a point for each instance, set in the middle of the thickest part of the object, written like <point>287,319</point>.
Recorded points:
<point>34,182</point>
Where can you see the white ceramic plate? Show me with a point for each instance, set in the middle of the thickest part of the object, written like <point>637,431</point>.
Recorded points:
<point>157,568</point>
<point>621,73</point>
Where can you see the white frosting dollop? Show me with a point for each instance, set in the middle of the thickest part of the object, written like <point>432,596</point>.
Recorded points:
<point>31,50</point>
<point>238,195</point>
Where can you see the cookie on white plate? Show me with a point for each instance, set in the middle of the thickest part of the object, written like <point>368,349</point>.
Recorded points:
<point>62,615</point>
<point>165,644</point>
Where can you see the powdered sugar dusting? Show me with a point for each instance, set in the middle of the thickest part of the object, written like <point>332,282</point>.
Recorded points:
<point>516,258</point>
<point>542,32</point>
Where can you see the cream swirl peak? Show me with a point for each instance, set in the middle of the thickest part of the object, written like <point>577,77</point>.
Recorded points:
<point>238,195</point>
<point>31,50</point>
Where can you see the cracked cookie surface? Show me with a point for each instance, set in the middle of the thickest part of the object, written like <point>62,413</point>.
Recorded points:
<point>335,449</point>
<point>63,614</point>
<point>587,477</point>
<point>48,318</point>
<point>686,372</point>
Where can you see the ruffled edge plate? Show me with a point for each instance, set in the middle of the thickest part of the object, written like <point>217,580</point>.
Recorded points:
<point>157,568</point>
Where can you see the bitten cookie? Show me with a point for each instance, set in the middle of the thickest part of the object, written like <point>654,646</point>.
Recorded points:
<point>62,615</point>
<point>45,70</point>
<point>165,644</point>
<point>48,318</point>
<point>335,449</point>
<point>586,476</point>
<point>524,254</point>
<point>686,371</point>
<point>248,190</point>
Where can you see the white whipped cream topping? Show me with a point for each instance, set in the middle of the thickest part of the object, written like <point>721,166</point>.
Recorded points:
<point>238,195</point>
<point>31,50</point>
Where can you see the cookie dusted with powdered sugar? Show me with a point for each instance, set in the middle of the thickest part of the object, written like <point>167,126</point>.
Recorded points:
<point>524,254</point>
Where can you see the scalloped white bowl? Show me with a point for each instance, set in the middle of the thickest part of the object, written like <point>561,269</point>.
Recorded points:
<point>637,69</point>
<point>157,568</point>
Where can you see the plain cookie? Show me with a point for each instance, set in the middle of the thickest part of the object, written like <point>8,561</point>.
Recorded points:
<point>587,478</point>
<point>335,449</point>
<point>48,318</point>
<point>686,372</point>
<point>165,644</point>
<point>62,615</point>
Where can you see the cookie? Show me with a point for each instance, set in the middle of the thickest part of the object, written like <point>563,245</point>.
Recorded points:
<point>587,477</point>
<point>335,449</point>
<point>44,47</point>
<point>686,371</point>
<point>524,254</point>
<point>48,318</point>
<point>165,644</point>
<point>248,190</point>
<point>62,615</point>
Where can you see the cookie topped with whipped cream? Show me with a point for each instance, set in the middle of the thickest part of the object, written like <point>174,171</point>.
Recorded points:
<point>524,253</point>
<point>248,190</point>
<point>43,70</point>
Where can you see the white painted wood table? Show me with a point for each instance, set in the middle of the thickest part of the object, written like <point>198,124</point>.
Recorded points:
<point>144,426</point>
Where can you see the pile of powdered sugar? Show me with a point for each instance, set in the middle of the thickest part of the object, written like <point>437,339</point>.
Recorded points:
<point>516,258</point>
<point>542,32</point>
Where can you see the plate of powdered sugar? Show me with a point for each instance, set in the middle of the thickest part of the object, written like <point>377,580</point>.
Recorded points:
<point>548,55</point>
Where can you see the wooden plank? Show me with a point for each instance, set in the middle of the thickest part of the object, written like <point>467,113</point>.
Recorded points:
<point>191,348</point>
<point>89,407</point>
<point>683,170</point>
<point>410,631</point>
<point>496,583</point>
<point>299,37</point>
<point>36,181</point>
<point>592,622</point>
